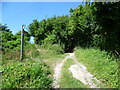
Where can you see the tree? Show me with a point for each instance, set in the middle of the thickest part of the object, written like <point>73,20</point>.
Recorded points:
<point>10,41</point>
<point>107,15</point>
<point>51,28</point>
<point>6,35</point>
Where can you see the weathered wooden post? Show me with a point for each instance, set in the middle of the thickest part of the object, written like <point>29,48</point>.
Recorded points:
<point>22,44</point>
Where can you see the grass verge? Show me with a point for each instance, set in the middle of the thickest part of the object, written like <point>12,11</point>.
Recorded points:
<point>103,66</point>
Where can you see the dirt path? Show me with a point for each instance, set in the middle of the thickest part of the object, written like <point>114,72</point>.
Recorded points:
<point>78,70</point>
<point>57,73</point>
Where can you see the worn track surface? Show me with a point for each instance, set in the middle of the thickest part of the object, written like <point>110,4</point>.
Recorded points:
<point>78,71</point>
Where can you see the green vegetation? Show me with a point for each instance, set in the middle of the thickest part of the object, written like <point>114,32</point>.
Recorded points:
<point>28,74</point>
<point>93,25</point>
<point>107,16</point>
<point>67,80</point>
<point>31,73</point>
<point>50,57</point>
<point>103,66</point>
<point>89,25</point>
<point>10,41</point>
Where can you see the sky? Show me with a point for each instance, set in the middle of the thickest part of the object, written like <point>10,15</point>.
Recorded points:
<point>15,14</point>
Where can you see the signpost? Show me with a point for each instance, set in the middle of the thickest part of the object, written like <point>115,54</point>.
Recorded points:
<point>22,44</point>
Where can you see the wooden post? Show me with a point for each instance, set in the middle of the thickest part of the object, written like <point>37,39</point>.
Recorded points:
<point>22,44</point>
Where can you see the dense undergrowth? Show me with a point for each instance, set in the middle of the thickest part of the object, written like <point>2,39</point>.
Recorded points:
<point>51,55</point>
<point>30,73</point>
<point>100,64</point>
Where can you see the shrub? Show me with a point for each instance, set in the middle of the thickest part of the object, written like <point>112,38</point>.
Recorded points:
<point>32,73</point>
<point>50,39</point>
<point>11,54</point>
<point>55,48</point>
<point>31,51</point>
<point>28,74</point>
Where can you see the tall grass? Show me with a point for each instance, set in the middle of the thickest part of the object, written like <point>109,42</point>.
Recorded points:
<point>50,57</point>
<point>100,64</point>
<point>55,48</point>
<point>31,73</point>
<point>28,74</point>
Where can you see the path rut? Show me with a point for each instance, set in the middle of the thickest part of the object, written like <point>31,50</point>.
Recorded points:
<point>78,71</point>
<point>57,72</point>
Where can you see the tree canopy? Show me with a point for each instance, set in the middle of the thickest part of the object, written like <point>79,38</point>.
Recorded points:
<point>91,24</point>
<point>10,41</point>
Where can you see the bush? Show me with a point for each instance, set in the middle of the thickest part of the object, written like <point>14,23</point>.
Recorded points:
<point>10,55</point>
<point>32,73</point>
<point>55,48</point>
<point>50,39</point>
<point>28,74</point>
<point>31,51</point>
